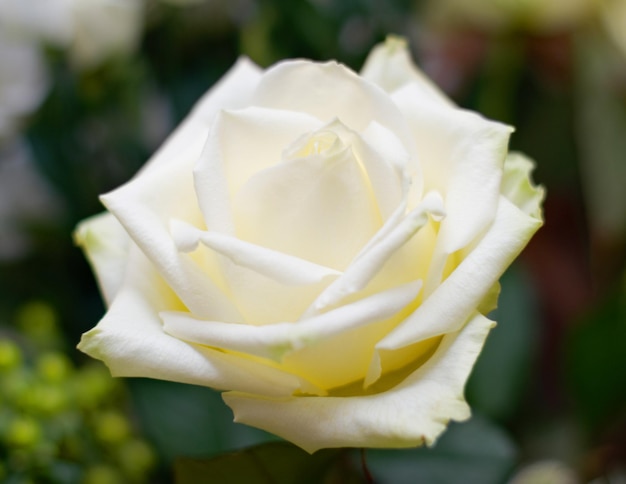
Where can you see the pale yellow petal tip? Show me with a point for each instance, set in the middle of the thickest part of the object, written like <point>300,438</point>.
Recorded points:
<point>394,43</point>
<point>518,187</point>
<point>87,344</point>
<point>83,234</point>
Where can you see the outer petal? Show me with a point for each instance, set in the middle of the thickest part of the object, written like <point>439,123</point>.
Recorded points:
<point>164,189</point>
<point>461,154</point>
<point>449,306</point>
<point>145,207</point>
<point>131,341</point>
<point>390,66</point>
<point>412,413</point>
<point>517,185</point>
<point>275,340</point>
<point>106,244</point>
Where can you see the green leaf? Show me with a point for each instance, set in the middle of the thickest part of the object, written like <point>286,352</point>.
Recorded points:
<point>596,361</point>
<point>273,463</point>
<point>502,371</point>
<point>473,451</point>
<point>188,420</point>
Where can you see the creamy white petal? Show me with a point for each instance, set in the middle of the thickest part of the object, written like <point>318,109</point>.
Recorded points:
<point>318,207</point>
<point>281,267</point>
<point>338,93</point>
<point>131,341</point>
<point>517,185</point>
<point>386,162</point>
<point>449,306</point>
<point>275,340</point>
<point>106,245</point>
<point>242,143</point>
<point>163,189</point>
<point>145,206</point>
<point>461,155</point>
<point>373,257</point>
<point>389,65</point>
<point>412,413</point>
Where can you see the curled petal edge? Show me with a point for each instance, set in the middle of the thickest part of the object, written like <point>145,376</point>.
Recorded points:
<point>413,413</point>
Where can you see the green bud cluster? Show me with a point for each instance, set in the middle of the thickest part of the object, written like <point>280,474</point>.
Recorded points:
<point>59,422</point>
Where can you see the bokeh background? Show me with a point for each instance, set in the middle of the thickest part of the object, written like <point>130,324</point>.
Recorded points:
<point>90,88</point>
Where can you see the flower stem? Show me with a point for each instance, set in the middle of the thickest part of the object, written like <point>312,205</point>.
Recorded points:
<point>366,472</point>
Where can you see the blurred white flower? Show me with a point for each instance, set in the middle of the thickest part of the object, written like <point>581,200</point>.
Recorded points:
<point>103,28</point>
<point>23,81</point>
<point>25,198</point>
<point>92,30</point>
<point>47,21</point>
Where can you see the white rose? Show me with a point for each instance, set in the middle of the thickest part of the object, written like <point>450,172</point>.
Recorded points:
<point>322,246</point>
<point>23,81</point>
<point>92,30</point>
<point>104,28</point>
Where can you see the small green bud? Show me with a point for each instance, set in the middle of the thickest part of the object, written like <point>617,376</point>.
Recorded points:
<point>37,320</point>
<point>16,384</point>
<point>10,355</point>
<point>47,399</point>
<point>54,367</point>
<point>23,432</point>
<point>136,458</point>
<point>92,385</point>
<point>111,427</point>
<point>102,474</point>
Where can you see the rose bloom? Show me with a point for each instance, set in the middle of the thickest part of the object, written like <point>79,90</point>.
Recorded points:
<point>323,246</point>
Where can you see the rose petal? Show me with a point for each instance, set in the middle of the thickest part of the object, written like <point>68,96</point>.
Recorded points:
<point>131,341</point>
<point>164,190</point>
<point>240,144</point>
<point>281,267</point>
<point>276,340</point>
<point>390,66</point>
<point>385,161</point>
<point>106,244</point>
<point>144,207</point>
<point>461,155</point>
<point>368,263</point>
<point>338,93</point>
<point>318,207</point>
<point>412,413</point>
<point>517,185</point>
<point>449,306</point>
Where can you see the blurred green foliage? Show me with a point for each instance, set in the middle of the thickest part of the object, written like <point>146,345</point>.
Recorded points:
<point>60,423</point>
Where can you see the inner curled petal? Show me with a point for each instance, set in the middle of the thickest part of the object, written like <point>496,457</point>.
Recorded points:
<point>323,142</point>
<point>317,204</point>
